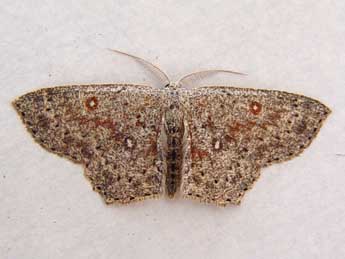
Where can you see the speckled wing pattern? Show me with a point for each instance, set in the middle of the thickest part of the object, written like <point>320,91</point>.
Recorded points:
<point>234,132</point>
<point>113,130</point>
<point>137,142</point>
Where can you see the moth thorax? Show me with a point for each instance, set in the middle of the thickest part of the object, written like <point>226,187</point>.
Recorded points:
<point>172,85</point>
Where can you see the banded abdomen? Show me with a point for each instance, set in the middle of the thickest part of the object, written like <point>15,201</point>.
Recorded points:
<point>174,129</point>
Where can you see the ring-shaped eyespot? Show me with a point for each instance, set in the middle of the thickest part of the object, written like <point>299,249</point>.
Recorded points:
<point>91,103</point>
<point>255,108</point>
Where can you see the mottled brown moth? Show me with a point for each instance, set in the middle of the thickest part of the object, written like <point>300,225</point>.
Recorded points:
<point>137,142</point>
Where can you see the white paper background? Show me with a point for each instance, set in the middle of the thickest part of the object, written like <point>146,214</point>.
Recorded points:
<point>296,209</point>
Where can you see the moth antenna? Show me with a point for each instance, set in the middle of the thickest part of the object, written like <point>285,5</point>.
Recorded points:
<point>205,73</point>
<point>154,69</point>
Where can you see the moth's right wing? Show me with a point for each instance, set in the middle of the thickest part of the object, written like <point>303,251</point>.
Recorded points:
<point>234,132</point>
<point>113,130</point>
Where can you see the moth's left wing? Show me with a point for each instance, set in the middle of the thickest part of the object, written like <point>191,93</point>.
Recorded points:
<point>234,132</point>
<point>113,130</point>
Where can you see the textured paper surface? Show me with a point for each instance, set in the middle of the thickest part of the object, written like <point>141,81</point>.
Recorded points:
<point>296,208</point>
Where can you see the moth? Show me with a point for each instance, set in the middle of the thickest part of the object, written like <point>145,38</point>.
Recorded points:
<point>137,142</point>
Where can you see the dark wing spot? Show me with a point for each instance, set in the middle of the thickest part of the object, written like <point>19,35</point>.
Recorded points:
<point>91,103</point>
<point>255,108</point>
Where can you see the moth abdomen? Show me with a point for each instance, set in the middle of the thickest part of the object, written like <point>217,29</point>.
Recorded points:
<point>175,131</point>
